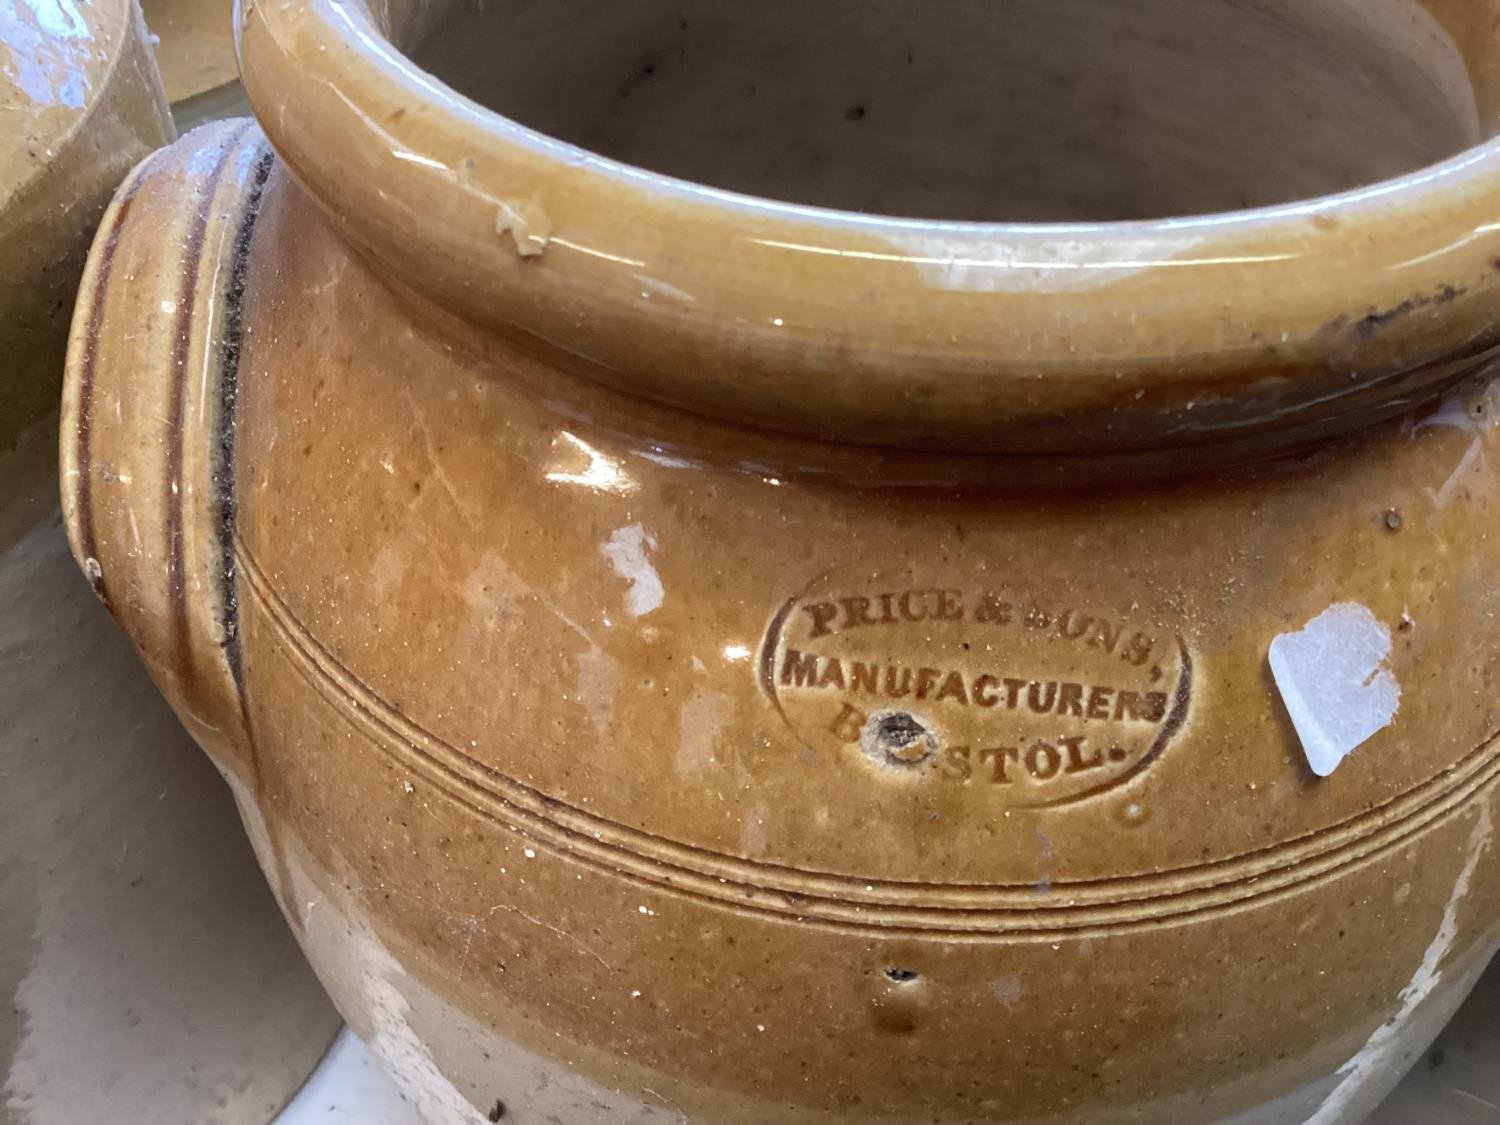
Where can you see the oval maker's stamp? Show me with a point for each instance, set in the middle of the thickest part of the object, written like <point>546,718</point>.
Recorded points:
<point>1047,705</point>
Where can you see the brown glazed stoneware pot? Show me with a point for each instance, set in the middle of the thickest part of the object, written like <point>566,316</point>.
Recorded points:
<point>688,644</point>
<point>80,104</point>
<point>144,972</point>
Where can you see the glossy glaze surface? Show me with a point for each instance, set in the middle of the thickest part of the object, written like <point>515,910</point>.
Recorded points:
<point>620,761</point>
<point>986,337</point>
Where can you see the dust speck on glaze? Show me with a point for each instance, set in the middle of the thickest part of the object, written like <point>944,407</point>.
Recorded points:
<point>714,657</point>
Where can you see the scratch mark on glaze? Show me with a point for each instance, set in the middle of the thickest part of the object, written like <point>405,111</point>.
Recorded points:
<point>1335,682</point>
<point>1472,460</point>
<point>1008,265</point>
<point>567,937</point>
<point>432,454</point>
<point>1473,414</point>
<point>673,1106</point>
<point>1382,1048</point>
<point>626,552</point>
<point>656,285</point>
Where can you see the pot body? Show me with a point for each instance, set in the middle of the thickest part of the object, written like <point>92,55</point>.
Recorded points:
<point>614,763</point>
<point>142,965</point>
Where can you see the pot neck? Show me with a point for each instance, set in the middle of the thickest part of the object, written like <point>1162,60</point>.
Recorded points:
<point>1248,331</point>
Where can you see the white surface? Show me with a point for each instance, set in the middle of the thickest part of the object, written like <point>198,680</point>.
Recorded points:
<point>1334,680</point>
<point>146,975</point>
<point>348,1086</point>
<point>1458,1083</point>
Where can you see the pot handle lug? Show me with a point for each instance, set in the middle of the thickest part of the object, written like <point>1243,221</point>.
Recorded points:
<point>147,421</point>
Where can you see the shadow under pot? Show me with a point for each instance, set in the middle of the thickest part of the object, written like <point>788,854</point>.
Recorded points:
<point>688,644</point>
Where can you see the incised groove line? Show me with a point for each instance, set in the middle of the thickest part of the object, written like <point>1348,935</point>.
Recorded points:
<point>987,913</point>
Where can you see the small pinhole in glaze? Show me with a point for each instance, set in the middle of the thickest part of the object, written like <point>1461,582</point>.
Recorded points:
<point>1393,519</point>
<point>899,1000</point>
<point>497,1111</point>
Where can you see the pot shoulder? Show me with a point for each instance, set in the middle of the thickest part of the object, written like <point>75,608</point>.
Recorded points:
<point>479,543</point>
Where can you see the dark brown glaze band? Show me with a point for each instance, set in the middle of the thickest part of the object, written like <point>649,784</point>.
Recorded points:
<point>230,351</point>
<point>189,266</point>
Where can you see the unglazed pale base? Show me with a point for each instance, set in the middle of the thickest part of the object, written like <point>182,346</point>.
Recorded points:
<point>1320,1102</point>
<point>349,1088</point>
<point>405,1025</point>
<point>144,975</point>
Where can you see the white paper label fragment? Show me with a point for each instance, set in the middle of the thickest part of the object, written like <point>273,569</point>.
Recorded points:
<point>1335,682</point>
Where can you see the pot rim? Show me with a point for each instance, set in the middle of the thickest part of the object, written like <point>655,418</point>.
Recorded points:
<point>1293,320</point>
